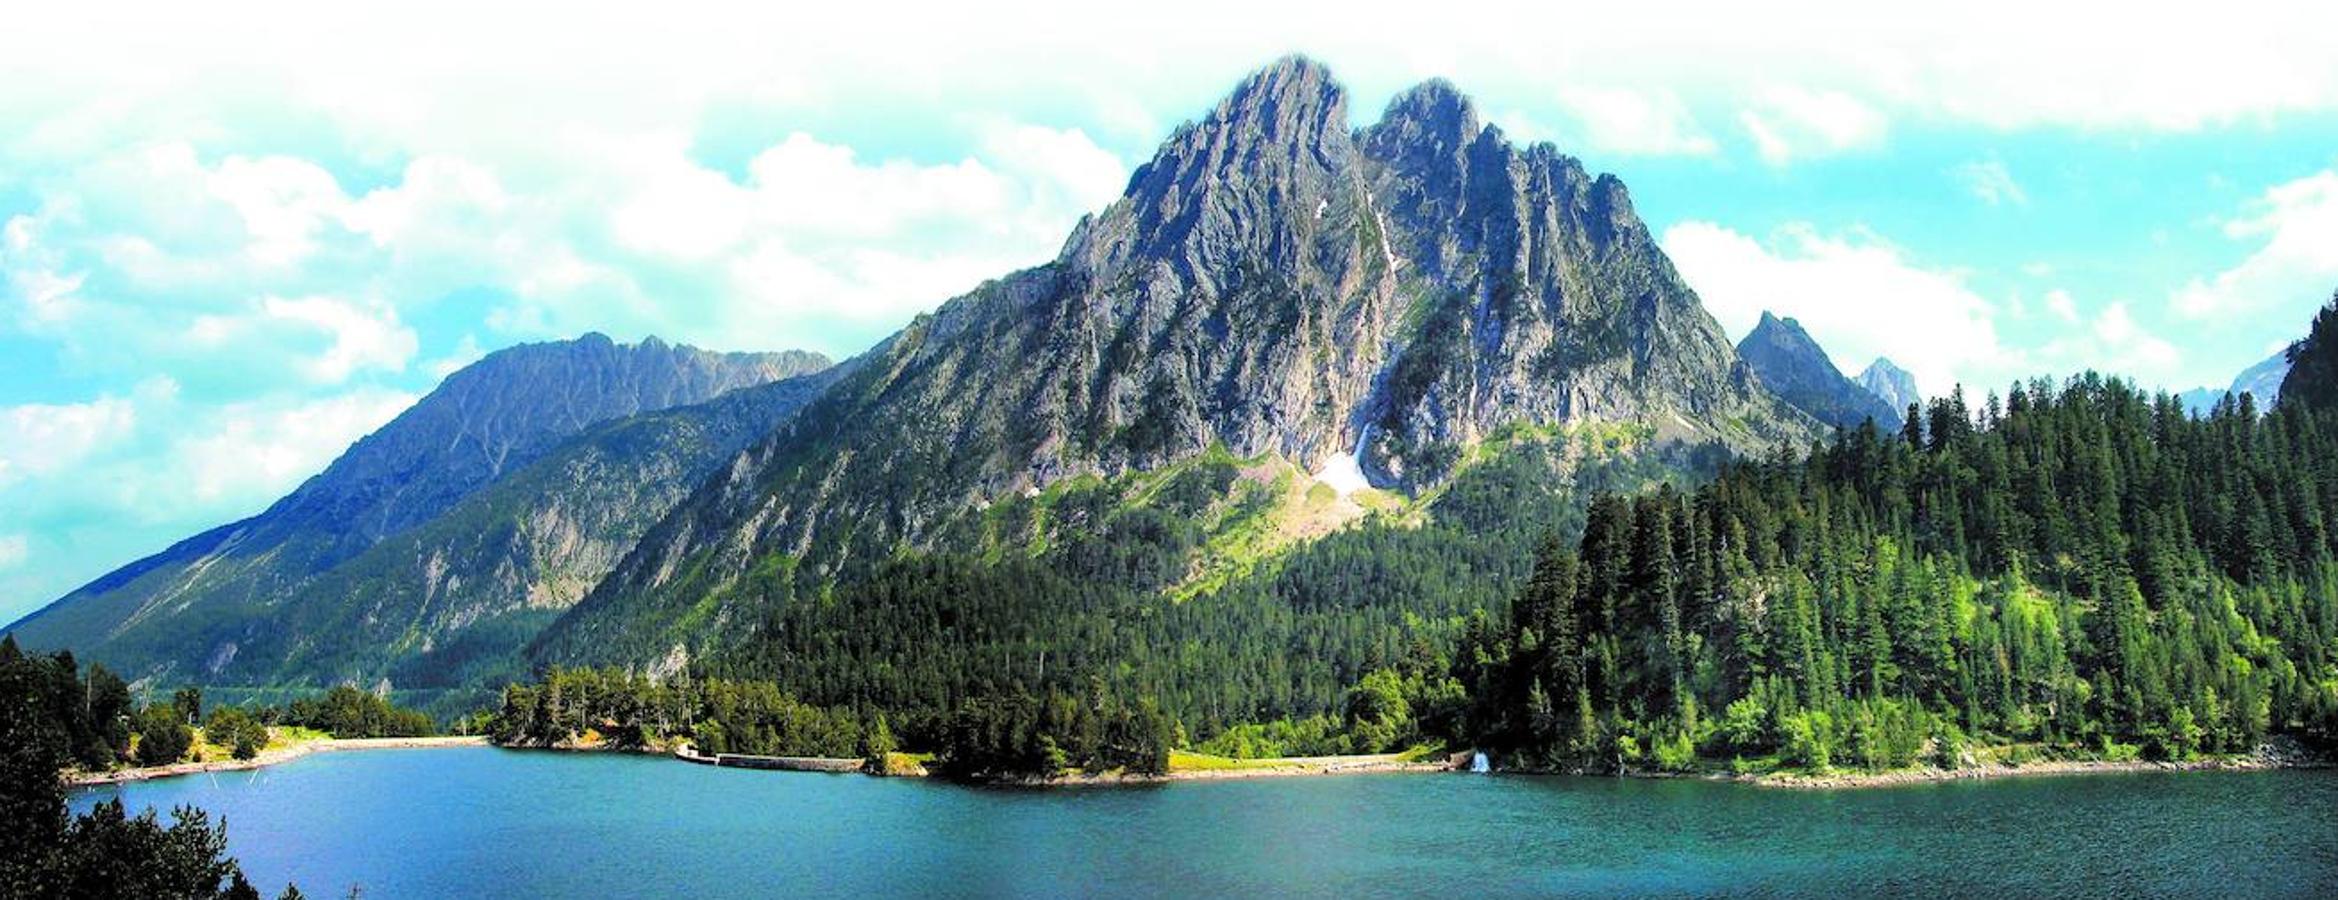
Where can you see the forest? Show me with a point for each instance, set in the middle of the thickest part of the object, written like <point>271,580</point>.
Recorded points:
<point>1083,587</point>
<point>2073,569</point>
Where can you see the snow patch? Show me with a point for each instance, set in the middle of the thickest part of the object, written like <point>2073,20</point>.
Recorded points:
<point>1344,473</point>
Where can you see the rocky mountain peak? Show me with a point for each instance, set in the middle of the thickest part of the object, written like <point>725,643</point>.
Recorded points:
<point>1431,117</point>
<point>1890,383</point>
<point>1791,362</point>
<point>1228,187</point>
<point>1785,333</point>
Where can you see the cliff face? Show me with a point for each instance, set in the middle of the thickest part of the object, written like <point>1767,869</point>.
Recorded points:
<point>2312,380</point>
<point>193,610</point>
<point>1891,384</point>
<point>1270,282</point>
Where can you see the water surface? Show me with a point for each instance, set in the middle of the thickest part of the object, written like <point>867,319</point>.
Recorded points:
<point>479,822</point>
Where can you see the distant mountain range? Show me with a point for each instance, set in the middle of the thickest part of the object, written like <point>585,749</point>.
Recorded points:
<point>499,492</point>
<point>1787,360</point>
<point>2262,381</point>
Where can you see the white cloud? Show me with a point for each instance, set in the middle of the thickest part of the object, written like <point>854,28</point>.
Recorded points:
<point>2060,303</point>
<point>1857,294</point>
<point>2121,339</point>
<point>38,439</point>
<point>2296,262</point>
<point>12,551</point>
<point>1992,182</point>
<point>247,454</point>
<point>362,336</point>
<point>91,485</point>
<point>465,353</point>
<point>1860,296</point>
<point>1628,121</point>
<point>1792,122</point>
<point>131,254</point>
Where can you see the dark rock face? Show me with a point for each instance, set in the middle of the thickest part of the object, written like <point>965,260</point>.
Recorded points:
<point>206,602</point>
<point>1271,282</point>
<point>2312,380</point>
<point>1891,384</point>
<point>1791,363</point>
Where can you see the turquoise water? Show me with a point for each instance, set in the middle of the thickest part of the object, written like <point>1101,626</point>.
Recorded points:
<point>478,822</point>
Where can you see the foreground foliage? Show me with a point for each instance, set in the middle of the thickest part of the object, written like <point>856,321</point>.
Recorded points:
<point>47,722</point>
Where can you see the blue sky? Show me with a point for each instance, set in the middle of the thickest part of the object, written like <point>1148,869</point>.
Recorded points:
<point>234,239</point>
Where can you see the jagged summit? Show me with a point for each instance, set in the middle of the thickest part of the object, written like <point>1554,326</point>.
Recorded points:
<point>1792,363</point>
<point>1891,384</point>
<point>1271,282</point>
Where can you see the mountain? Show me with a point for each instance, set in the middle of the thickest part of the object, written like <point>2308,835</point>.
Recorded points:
<point>222,605</point>
<point>1891,384</point>
<point>2263,381</point>
<point>1274,294</point>
<point>2313,363</point>
<point>1787,360</point>
<point>2198,401</point>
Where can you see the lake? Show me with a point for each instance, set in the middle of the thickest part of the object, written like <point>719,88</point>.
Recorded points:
<point>481,822</point>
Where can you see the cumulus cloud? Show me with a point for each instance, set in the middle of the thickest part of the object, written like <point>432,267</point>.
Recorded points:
<point>39,439</point>
<point>1629,121</point>
<point>1861,296</point>
<point>2295,228</point>
<point>87,486</point>
<point>2062,305</point>
<point>1856,293</point>
<point>1792,122</point>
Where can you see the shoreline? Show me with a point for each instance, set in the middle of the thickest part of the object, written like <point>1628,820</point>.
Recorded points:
<point>1297,767</point>
<point>2041,769</point>
<point>77,779</point>
<point>1283,767</point>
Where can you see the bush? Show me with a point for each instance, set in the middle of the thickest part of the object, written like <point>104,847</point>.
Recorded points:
<point>237,730</point>
<point>1809,740</point>
<point>163,738</point>
<point>1676,754</point>
<point>1745,725</point>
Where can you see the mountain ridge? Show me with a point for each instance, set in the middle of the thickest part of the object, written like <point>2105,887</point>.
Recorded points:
<point>481,423</point>
<point>1270,282</point>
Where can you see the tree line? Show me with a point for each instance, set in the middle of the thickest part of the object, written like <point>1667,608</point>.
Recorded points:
<point>1006,736</point>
